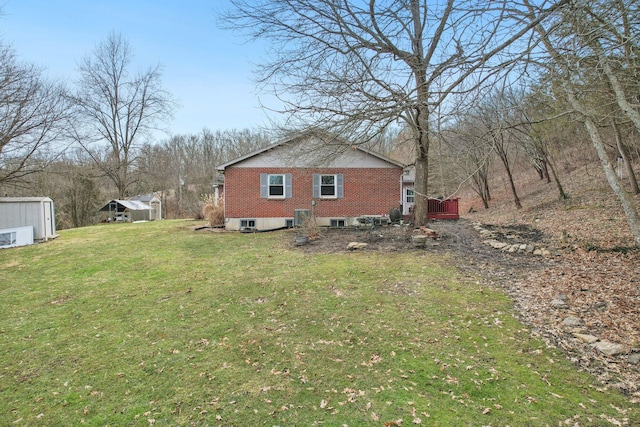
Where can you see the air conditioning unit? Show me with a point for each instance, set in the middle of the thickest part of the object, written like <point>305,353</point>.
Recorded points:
<point>300,216</point>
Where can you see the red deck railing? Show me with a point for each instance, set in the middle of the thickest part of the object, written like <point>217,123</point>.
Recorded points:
<point>443,209</point>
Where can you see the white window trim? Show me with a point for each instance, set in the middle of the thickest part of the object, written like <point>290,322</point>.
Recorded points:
<point>407,195</point>
<point>335,186</point>
<point>284,186</point>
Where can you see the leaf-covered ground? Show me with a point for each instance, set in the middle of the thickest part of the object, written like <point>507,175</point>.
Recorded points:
<point>594,265</point>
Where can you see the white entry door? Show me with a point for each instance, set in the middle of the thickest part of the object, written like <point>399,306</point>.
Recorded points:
<point>408,201</point>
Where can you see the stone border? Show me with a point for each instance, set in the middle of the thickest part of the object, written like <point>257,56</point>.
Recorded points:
<point>490,240</point>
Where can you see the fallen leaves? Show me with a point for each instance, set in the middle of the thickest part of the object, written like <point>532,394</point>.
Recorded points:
<point>374,359</point>
<point>594,270</point>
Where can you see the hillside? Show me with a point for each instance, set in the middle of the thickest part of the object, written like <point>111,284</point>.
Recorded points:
<point>595,269</point>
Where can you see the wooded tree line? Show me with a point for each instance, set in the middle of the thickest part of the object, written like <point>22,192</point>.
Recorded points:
<point>480,86</point>
<point>180,168</point>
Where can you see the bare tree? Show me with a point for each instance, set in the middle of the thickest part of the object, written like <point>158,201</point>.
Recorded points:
<point>474,157</point>
<point>494,112</point>
<point>357,68</point>
<point>33,115</point>
<point>541,132</point>
<point>609,29</point>
<point>183,167</point>
<point>118,109</point>
<point>566,55</point>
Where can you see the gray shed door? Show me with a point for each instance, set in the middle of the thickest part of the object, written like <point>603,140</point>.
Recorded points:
<point>48,219</point>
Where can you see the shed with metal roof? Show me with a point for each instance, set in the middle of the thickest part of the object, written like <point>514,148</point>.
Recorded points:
<point>127,211</point>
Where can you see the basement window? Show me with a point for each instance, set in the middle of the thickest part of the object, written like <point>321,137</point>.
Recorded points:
<point>337,223</point>
<point>247,224</point>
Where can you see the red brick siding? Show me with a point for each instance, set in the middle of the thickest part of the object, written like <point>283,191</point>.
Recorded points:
<point>366,191</point>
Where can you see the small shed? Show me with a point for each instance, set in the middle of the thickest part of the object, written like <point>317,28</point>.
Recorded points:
<point>126,211</point>
<point>154,203</point>
<point>37,212</point>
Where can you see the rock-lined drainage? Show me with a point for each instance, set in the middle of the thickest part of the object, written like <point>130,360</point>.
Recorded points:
<point>491,239</point>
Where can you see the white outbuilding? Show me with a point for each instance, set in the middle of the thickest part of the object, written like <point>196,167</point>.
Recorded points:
<point>145,207</point>
<point>19,212</point>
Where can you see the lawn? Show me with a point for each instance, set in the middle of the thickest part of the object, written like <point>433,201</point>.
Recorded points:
<point>155,324</point>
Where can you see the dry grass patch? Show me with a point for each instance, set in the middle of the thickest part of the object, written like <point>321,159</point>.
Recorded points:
<point>213,210</point>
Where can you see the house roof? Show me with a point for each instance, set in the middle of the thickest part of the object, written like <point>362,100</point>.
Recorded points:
<point>298,138</point>
<point>132,205</point>
<point>144,197</point>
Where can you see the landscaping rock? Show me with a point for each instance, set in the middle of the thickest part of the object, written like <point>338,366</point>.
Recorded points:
<point>573,321</point>
<point>427,232</point>
<point>609,348</point>
<point>589,339</point>
<point>356,245</point>
<point>559,302</point>
<point>634,358</point>
<point>600,305</point>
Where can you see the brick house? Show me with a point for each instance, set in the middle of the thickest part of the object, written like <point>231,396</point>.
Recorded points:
<point>282,184</point>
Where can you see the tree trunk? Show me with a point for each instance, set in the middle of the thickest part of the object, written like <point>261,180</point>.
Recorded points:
<point>620,94</point>
<point>545,170</point>
<point>421,130</point>
<point>625,198</point>
<point>486,189</point>
<point>625,158</point>
<point>516,199</point>
<point>479,187</point>
<point>505,161</point>
<point>556,179</point>
<point>549,166</point>
<point>484,194</point>
<point>421,206</point>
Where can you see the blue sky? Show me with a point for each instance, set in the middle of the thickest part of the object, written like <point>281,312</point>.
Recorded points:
<point>206,69</point>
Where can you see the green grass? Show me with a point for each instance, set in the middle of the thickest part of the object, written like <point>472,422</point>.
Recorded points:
<point>153,323</point>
